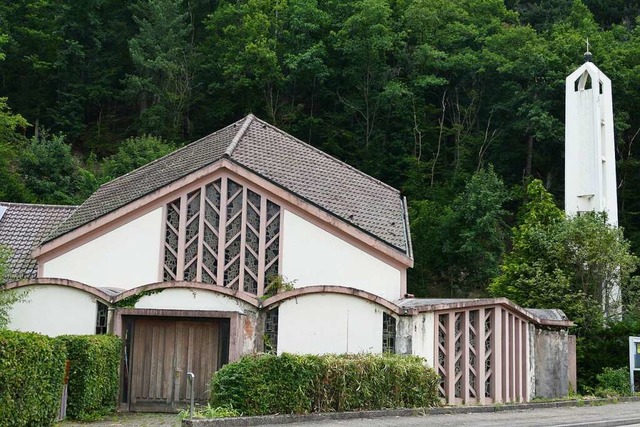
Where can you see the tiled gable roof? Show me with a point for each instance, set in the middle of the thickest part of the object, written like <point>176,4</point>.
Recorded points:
<point>295,166</point>
<point>22,228</point>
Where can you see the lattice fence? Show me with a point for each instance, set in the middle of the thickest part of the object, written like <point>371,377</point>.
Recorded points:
<point>482,355</point>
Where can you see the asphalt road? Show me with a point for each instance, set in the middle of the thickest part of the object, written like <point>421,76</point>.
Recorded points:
<point>621,414</point>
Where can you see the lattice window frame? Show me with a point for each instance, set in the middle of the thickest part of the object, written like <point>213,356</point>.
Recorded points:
<point>389,328</point>
<point>241,222</point>
<point>270,338</point>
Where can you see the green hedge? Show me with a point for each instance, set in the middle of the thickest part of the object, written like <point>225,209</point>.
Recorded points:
<point>31,374</point>
<point>268,384</point>
<point>93,375</point>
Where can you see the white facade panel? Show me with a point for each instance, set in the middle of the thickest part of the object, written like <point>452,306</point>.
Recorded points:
<point>329,323</point>
<point>54,310</point>
<point>126,257</point>
<point>190,299</point>
<point>590,168</point>
<point>423,337</point>
<point>313,256</point>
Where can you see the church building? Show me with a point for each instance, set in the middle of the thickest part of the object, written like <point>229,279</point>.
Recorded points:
<point>250,240</point>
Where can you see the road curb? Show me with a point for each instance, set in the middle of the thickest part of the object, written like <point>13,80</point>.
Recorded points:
<point>450,410</point>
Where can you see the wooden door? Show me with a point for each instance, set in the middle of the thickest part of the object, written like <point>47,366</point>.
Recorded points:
<point>163,351</point>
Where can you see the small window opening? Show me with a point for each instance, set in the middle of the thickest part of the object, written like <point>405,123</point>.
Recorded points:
<point>583,82</point>
<point>101,318</point>
<point>388,333</point>
<point>271,332</point>
<point>600,84</point>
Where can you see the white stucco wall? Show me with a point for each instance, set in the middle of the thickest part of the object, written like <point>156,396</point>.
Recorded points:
<point>329,323</point>
<point>55,310</point>
<point>126,257</point>
<point>313,256</point>
<point>423,337</point>
<point>190,299</point>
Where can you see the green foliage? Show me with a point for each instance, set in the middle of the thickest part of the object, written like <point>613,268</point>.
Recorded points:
<point>31,375</point>
<point>613,383</point>
<point>133,153</point>
<point>470,235</point>
<point>574,264</point>
<point>602,347</point>
<point>94,374</point>
<point>268,384</point>
<point>278,284</point>
<point>53,174</point>
<point>421,94</point>
<point>161,54</point>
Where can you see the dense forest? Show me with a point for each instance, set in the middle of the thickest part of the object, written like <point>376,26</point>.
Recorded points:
<point>457,103</point>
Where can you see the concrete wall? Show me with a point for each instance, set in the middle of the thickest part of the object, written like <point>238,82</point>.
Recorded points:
<point>54,310</point>
<point>329,323</point>
<point>423,338</point>
<point>313,256</point>
<point>126,257</point>
<point>551,353</point>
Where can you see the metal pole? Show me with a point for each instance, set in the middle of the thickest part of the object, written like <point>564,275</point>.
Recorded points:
<point>191,378</point>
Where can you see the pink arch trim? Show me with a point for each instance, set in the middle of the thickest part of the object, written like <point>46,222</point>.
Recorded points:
<point>331,289</point>
<point>58,282</point>
<point>188,285</point>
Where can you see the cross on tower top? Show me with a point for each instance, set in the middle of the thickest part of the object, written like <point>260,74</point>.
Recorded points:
<point>587,55</point>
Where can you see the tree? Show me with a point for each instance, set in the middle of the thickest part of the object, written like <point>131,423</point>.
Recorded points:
<point>162,54</point>
<point>459,247</point>
<point>574,264</point>
<point>53,174</point>
<point>133,153</point>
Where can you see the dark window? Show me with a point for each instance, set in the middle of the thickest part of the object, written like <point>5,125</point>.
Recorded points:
<point>101,318</point>
<point>271,332</point>
<point>388,333</point>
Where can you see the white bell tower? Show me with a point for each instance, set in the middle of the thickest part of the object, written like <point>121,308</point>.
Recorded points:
<point>590,166</point>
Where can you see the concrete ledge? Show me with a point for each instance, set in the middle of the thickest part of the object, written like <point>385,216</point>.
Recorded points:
<point>450,410</point>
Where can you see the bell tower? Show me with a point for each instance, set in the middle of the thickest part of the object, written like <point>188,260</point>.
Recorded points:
<point>590,167</point>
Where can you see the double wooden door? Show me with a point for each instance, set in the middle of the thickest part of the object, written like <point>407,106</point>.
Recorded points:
<point>162,351</point>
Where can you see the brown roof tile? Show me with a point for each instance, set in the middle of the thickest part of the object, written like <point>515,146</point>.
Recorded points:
<point>297,167</point>
<point>22,228</point>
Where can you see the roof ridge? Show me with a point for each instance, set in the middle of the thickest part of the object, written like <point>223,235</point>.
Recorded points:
<point>236,139</point>
<point>42,205</point>
<point>173,153</point>
<point>330,157</point>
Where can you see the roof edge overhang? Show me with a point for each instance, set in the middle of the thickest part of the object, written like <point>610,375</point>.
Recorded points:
<point>483,302</point>
<point>127,212</point>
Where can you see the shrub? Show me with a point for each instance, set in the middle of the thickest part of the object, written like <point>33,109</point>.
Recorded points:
<point>31,375</point>
<point>604,347</point>
<point>268,384</point>
<point>93,375</point>
<point>613,382</point>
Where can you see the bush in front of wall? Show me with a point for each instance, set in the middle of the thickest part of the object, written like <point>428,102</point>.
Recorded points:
<point>31,375</point>
<point>93,374</point>
<point>613,383</point>
<point>287,384</point>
